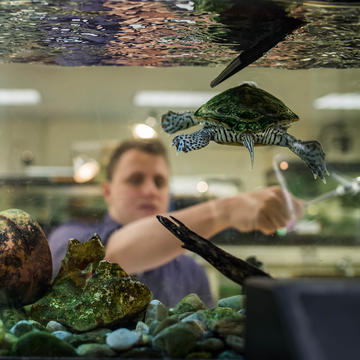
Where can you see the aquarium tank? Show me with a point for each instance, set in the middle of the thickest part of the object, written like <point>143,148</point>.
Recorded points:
<point>78,77</point>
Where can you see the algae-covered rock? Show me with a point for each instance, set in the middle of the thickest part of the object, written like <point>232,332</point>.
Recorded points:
<point>90,294</point>
<point>223,321</point>
<point>11,316</point>
<point>236,302</point>
<point>79,255</point>
<point>189,303</point>
<point>42,343</point>
<point>2,331</point>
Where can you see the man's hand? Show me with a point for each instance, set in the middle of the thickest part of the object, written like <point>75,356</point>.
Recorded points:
<point>266,210</point>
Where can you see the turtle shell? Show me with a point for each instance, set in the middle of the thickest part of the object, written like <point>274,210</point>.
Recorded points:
<point>246,108</point>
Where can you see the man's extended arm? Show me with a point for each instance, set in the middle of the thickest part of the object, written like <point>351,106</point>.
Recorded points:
<point>146,244</point>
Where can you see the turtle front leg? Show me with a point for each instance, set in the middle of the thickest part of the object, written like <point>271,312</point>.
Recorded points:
<point>172,122</point>
<point>193,141</point>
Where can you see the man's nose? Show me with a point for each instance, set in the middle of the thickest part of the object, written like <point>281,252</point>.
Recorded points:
<point>150,187</point>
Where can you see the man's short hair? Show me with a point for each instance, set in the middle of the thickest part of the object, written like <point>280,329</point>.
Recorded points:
<point>149,146</point>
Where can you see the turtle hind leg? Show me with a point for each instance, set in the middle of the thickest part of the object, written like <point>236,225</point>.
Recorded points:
<point>310,152</point>
<point>172,122</point>
<point>193,141</point>
<point>313,155</point>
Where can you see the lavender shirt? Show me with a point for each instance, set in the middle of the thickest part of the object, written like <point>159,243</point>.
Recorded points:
<point>169,283</point>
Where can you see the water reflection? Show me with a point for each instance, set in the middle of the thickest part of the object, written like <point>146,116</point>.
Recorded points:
<point>165,33</point>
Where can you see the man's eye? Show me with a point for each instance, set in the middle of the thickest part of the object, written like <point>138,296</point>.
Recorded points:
<point>160,182</point>
<point>135,180</point>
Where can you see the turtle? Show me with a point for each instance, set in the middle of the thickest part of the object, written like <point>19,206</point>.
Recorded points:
<point>244,115</point>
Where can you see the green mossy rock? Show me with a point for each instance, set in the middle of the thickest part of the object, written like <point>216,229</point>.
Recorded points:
<point>11,316</point>
<point>42,343</point>
<point>223,321</point>
<point>189,303</point>
<point>86,295</point>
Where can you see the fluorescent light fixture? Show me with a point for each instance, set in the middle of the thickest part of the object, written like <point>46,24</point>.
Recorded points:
<point>19,97</point>
<point>336,101</point>
<point>184,99</point>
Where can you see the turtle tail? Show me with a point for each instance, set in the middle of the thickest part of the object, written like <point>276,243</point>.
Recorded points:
<point>172,122</point>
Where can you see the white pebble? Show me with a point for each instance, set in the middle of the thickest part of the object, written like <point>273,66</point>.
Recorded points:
<point>122,339</point>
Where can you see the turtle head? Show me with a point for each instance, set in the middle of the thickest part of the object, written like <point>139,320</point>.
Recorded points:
<point>172,121</point>
<point>251,83</point>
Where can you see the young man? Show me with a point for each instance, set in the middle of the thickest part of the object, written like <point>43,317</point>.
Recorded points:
<point>137,189</point>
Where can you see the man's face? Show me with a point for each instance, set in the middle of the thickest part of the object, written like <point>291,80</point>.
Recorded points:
<point>139,187</point>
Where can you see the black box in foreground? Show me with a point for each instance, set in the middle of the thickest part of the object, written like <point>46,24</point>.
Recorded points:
<point>302,319</point>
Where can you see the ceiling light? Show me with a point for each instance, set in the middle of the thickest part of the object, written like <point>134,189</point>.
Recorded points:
<point>335,101</point>
<point>172,98</point>
<point>144,131</point>
<point>19,97</point>
<point>202,186</point>
<point>85,169</point>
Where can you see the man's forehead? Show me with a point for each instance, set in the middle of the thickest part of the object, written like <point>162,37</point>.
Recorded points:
<point>138,161</point>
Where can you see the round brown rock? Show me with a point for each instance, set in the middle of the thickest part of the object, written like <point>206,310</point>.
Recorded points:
<point>25,259</point>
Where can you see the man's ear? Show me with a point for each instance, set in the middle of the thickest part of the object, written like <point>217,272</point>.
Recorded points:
<point>105,188</point>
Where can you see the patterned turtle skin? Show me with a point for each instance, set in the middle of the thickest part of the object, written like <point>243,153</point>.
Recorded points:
<point>244,115</point>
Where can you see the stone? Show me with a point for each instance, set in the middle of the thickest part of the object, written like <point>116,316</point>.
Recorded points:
<point>42,343</point>
<point>178,340</point>
<point>142,352</point>
<point>164,324</point>
<point>156,310</point>
<point>236,302</point>
<point>190,302</point>
<point>95,336</point>
<point>55,326</point>
<point>86,296</point>
<point>2,331</point>
<point>62,335</point>
<point>10,316</point>
<point>212,345</point>
<point>237,343</point>
<point>222,321</point>
<point>9,341</point>
<point>122,339</point>
<point>199,355</point>
<point>153,326</point>
<point>95,350</point>
<point>24,326</point>
<point>230,354</point>
<point>25,259</point>
<point>142,328</point>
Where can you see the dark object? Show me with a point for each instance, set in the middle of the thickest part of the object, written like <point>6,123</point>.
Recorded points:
<point>232,267</point>
<point>266,15</point>
<point>302,319</point>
